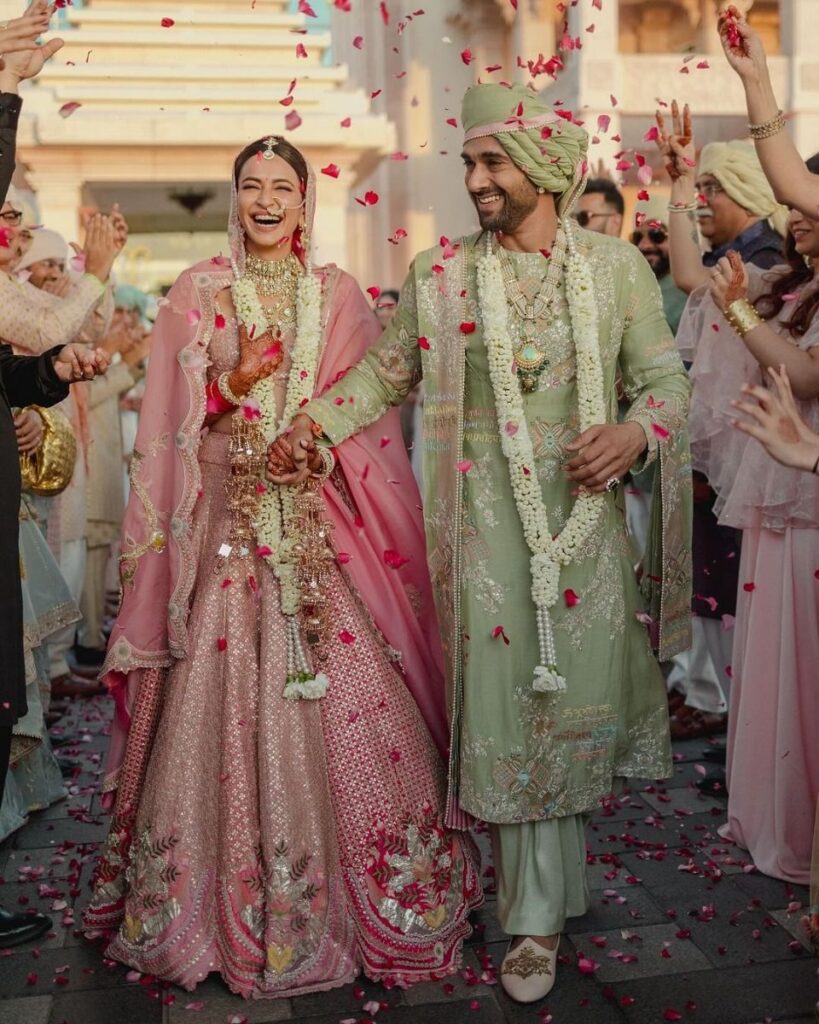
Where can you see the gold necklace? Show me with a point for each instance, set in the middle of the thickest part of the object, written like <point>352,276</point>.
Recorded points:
<point>273,277</point>
<point>530,355</point>
<point>279,280</point>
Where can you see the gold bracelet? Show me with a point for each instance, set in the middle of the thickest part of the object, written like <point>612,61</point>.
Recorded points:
<point>742,316</point>
<point>767,128</point>
<point>688,208</point>
<point>223,385</point>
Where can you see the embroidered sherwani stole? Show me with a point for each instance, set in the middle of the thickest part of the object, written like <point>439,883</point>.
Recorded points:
<point>518,755</point>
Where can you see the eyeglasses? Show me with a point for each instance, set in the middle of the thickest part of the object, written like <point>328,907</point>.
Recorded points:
<point>655,235</point>
<point>584,217</point>
<point>710,189</point>
<point>12,217</point>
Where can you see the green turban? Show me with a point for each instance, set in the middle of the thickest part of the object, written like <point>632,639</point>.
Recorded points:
<point>736,167</point>
<point>549,149</point>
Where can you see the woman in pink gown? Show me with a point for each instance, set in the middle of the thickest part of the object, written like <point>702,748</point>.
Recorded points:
<point>773,756</point>
<point>276,766</point>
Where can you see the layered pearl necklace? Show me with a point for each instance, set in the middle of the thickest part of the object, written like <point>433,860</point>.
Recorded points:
<point>548,552</point>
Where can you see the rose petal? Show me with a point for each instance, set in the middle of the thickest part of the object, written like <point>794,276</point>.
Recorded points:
<point>67,109</point>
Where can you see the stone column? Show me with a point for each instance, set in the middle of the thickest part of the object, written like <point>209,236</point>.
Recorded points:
<point>59,196</point>
<point>802,96</point>
<point>599,67</point>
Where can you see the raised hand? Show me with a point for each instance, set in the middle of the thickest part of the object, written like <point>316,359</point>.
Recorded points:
<point>775,422</point>
<point>28,58</point>
<point>729,280</point>
<point>29,430</point>
<point>677,147</point>
<point>605,451</point>
<point>100,248</point>
<point>76,362</point>
<point>742,45</point>
<point>21,33</point>
<point>120,227</point>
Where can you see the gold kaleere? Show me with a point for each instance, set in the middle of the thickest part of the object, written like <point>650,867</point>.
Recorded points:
<point>314,556</point>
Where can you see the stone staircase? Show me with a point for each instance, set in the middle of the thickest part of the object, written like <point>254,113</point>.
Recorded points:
<point>222,68</point>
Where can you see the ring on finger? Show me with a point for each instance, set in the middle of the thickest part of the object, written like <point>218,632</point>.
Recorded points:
<point>612,484</point>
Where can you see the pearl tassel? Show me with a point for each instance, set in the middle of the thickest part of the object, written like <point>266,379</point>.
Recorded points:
<point>547,678</point>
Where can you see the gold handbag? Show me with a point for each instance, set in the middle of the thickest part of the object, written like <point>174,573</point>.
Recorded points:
<point>48,471</point>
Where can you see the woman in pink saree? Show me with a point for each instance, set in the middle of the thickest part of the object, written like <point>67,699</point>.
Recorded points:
<point>276,769</point>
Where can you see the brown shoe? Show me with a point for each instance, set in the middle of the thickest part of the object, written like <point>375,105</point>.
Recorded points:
<point>689,723</point>
<point>69,685</point>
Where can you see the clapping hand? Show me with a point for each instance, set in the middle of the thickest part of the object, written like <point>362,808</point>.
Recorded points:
<point>775,422</point>
<point>678,149</point>
<point>76,362</point>
<point>101,246</point>
<point>29,430</point>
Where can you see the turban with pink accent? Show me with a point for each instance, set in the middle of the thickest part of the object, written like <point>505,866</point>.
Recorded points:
<point>549,149</point>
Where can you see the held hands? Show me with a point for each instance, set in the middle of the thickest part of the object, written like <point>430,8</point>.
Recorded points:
<point>775,422</point>
<point>291,459</point>
<point>742,46</point>
<point>76,362</point>
<point>29,430</point>
<point>604,452</point>
<point>729,280</point>
<point>677,148</point>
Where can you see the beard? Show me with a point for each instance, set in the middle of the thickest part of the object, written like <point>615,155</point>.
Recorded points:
<point>658,261</point>
<point>517,206</point>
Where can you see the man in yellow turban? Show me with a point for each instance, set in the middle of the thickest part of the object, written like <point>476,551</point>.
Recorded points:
<point>519,336</point>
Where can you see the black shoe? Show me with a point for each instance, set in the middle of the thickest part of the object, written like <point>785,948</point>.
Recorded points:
<point>88,657</point>
<point>18,928</point>
<point>714,784</point>
<point>716,755</point>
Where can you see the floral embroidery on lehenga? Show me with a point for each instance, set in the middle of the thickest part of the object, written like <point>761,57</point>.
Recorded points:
<point>285,896</point>
<point>415,873</point>
<point>152,878</point>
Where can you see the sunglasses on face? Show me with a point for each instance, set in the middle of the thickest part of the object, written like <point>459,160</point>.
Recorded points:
<point>655,235</point>
<point>585,217</point>
<point>12,217</point>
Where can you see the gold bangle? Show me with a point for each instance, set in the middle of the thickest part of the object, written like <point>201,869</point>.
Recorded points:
<point>768,128</point>
<point>223,386</point>
<point>328,461</point>
<point>742,316</point>
<point>688,208</point>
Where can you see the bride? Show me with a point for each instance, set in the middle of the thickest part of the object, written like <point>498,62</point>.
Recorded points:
<point>276,768</point>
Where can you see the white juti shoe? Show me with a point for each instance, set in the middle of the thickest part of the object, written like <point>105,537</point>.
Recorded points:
<point>528,971</point>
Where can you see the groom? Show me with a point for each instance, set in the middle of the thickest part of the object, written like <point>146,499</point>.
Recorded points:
<point>521,335</point>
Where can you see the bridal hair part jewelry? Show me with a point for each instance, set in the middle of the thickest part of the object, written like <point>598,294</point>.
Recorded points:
<point>270,144</point>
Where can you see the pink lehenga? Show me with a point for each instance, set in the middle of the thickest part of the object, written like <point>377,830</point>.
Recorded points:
<point>287,844</point>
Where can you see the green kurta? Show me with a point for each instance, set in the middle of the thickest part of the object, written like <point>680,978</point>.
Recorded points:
<point>519,755</point>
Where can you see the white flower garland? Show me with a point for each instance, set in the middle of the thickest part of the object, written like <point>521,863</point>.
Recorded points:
<point>548,553</point>
<point>276,509</point>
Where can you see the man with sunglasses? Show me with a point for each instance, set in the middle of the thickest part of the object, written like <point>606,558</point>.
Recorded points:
<point>650,235</point>
<point>601,208</point>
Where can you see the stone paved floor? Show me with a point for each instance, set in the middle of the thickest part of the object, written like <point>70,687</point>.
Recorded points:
<point>680,928</point>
